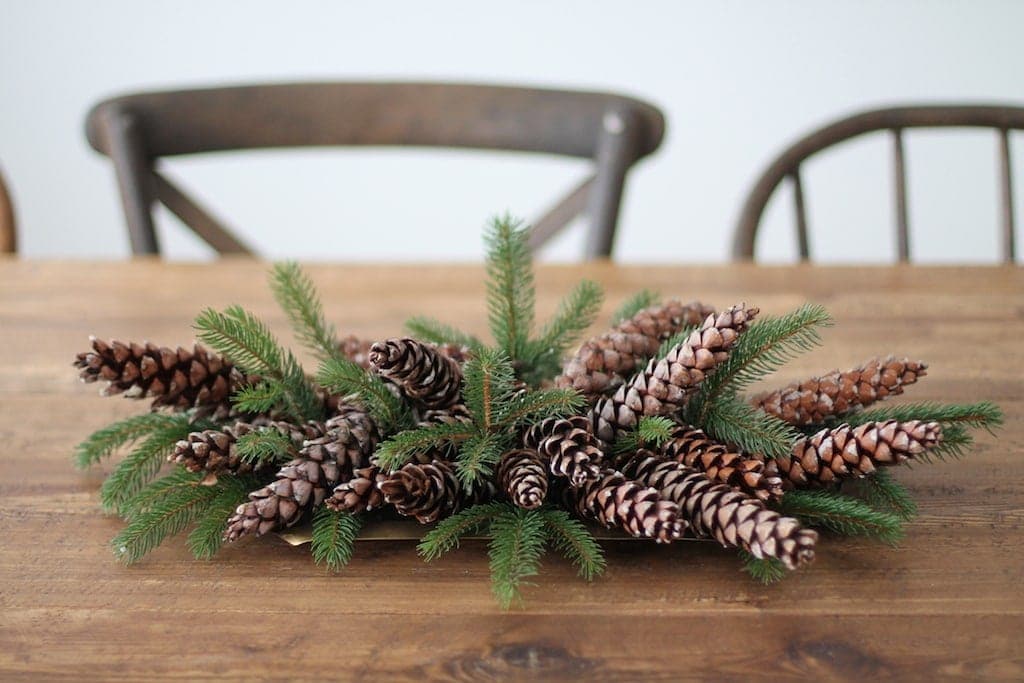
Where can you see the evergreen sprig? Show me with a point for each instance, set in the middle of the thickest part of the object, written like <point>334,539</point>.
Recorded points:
<point>982,415</point>
<point>766,570</point>
<point>333,537</point>
<point>530,406</point>
<point>882,492</point>
<point>478,456</point>
<point>765,347</point>
<point>575,314</point>
<point>164,516</point>
<point>511,293</point>
<point>652,431</point>
<point>398,449</point>
<point>343,377</point>
<point>488,382</point>
<point>645,298</point>
<point>436,332</point>
<point>675,340</point>
<point>259,398</point>
<point>265,445</point>
<point>297,296</point>
<point>208,535</point>
<point>571,538</point>
<point>106,441</point>
<point>248,342</point>
<point>842,514</point>
<point>731,420</point>
<point>517,543</point>
<point>144,462</point>
<point>446,536</point>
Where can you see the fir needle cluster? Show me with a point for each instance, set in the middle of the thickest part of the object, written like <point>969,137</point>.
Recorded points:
<point>646,427</point>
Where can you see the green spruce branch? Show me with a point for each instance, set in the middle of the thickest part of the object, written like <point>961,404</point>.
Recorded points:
<point>572,539</point>
<point>343,377</point>
<point>429,330</point>
<point>403,446</point>
<point>517,543</point>
<point>651,432</point>
<point>731,420</point>
<point>297,296</point>
<point>981,415</point>
<point>645,298</point>
<point>333,537</point>
<point>208,535</point>
<point>882,492</point>
<point>446,536</point>
<point>106,441</point>
<point>842,514</point>
<point>766,570</point>
<point>266,445</point>
<point>248,342</point>
<point>511,294</point>
<point>575,314</point>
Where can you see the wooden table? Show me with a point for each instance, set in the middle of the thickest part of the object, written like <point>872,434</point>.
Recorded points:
<point>947,603</point>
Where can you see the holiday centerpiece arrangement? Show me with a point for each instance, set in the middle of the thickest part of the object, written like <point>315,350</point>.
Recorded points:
<point>644,428</point>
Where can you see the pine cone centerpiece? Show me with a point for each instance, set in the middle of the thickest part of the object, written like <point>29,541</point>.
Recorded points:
<point>603,363</point>
<point>303,483</point>
<point>213,450</point>
<point>177,378</point>
<point>717,511</point>
<point>424,374</point>
<point>692,447</point>
<point>812,401</point>
<point>666,384</point>
<point>523,477</point>
<point>847,451</point>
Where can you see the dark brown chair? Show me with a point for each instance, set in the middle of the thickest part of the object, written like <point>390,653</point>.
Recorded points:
<point>895,120</point>
<point>135,130</point>
<point>8,235</point>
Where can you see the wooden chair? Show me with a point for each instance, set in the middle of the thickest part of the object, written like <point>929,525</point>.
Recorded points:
<point>8,235</point>
<point>895,120</point>
<point>135,130</point>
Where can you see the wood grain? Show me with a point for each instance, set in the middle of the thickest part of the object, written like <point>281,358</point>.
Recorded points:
<point>946,604</point>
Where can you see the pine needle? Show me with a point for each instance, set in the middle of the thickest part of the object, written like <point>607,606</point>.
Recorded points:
<point>531,406</point>
<point>571,538</point>
<point>207,538</point>
<point>576,313</point>
<point>429,330</point>
<point>258,398</point>
<point>752,430</point>
<point>104,442</point>
<point>248,342</point>
<point>144,462</point>
<point>164,518</point>
<point>515,550</point>
<point>675,340</point>
<point>766,570</point>
<point>297,296</point>
<point>765,347</point>
<point>488,382</point>
<point>343,377</point>
<point>982,415</point>
<point>510,285</point>
<point>842,514</point>
<point>333,537</point>
<point>264,446</point>
<point>651,432</point>
<point>645,298</point>
<point>446,536</point>
<point>882,492</point>
<point>478,456</point>
<point>401,447</point>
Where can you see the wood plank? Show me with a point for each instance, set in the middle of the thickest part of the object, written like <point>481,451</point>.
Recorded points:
<point>946,604</point>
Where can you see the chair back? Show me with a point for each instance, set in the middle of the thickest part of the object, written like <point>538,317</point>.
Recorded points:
<point>8,234</point>
<point>1002,119</point>
<point>136,130</point>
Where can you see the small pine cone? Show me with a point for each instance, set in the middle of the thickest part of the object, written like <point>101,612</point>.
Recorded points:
<point>356,350</point>
<point>693,448</point>
<point>424,374</point>
<point>459,354</point>
<point>603,363</point>
<point>524,478</point>
<point>568,446</point>
<point>639,510</point>
<point>360,493</point>
<point>427,492</point>
<point>846,451</point>
<point>836,393</point>
<point>177,378</point>
<point>720,512</point>
<point>665,385</point>
<point>213,450</point>
<point>303,483</point>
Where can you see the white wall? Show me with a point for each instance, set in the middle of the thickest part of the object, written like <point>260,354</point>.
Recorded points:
<point>736,80</point>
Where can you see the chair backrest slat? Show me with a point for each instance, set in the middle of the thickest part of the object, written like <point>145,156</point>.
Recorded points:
<point>197,217</point>
<point>897,120</point>
<point>800,211</point>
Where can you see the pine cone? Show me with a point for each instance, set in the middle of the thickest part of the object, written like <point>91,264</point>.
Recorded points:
<point>178,379</point>
<point>836,393</point>
<point>456,413</point>
<point>614,500</point>
<point>360,493</point>
<point>523,478</point>
<point>667,383</point>
<point>730,517</point>
<point>693,448</point>
<point>568,446</point>
<point>356,350</point>
<point>424,374</point>
<point>847,451</point>
<point>303,483</point>
<point>213,450</point>
<point>603,363</point>
<point>427,492</point>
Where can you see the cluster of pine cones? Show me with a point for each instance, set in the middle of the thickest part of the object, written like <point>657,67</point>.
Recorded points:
<point>690,484</point>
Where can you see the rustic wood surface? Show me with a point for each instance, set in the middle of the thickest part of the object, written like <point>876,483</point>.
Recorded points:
<point>948,603</point>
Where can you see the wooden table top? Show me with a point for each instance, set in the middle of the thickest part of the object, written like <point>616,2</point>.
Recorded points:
<point>948,603</point>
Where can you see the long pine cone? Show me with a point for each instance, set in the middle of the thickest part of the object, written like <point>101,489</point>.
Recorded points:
<point>692,447</point>
<point>603,363</point>
<point>423,374</point>
<point>303,483</point>
<point>665,385</point>
<point>213,450</point>
<point>568,446</point>
<point>812,401</point>
<point>177,378</point>
<point>617,501</point>
<point>846,451</point>
<point>361,493</point>
<point>524,478</point>
<point>718,511</point>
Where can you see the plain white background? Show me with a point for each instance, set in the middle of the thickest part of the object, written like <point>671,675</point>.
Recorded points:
<point>737,81</point>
